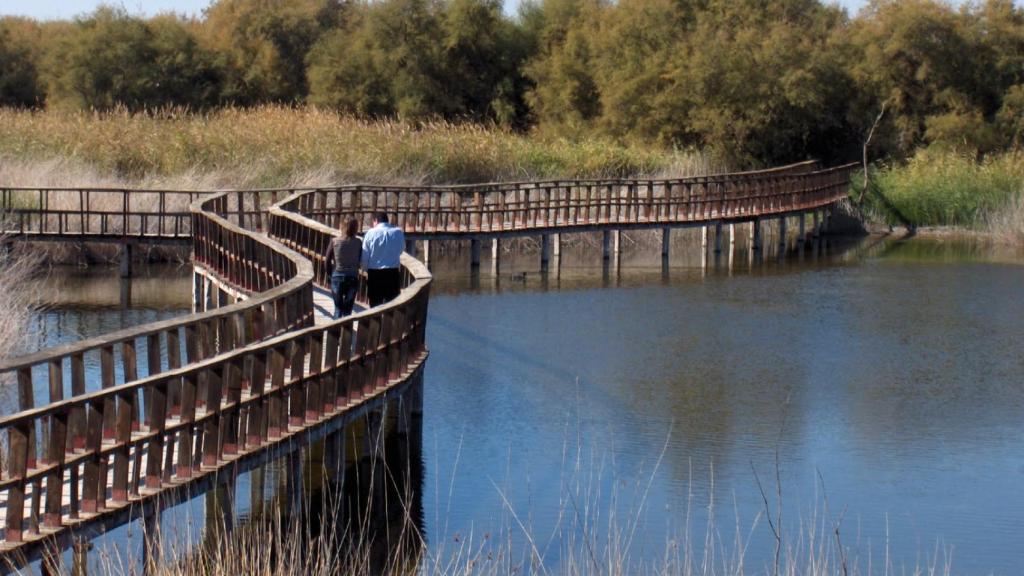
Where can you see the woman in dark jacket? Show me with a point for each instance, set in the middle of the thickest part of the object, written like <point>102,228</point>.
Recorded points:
<point>343,255</point>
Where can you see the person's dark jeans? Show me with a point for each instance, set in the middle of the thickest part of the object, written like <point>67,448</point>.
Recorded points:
<point>344,288</point>
<point>383,285</point>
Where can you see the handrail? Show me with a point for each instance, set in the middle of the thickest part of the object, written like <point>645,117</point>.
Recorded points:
<point>258,370</point>
<point>230,404</point>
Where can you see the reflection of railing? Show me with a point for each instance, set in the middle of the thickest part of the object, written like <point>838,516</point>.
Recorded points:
<point>257,371</point>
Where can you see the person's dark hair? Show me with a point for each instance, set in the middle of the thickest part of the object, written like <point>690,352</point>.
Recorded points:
<point>381,217</point>
<point>351,227</point>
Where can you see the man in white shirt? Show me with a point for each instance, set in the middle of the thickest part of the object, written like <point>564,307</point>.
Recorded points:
<point>382,250</point>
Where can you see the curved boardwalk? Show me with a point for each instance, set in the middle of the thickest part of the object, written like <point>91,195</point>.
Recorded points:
<point>258,367</point>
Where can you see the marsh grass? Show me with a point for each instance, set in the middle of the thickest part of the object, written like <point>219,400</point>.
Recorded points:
<point>280,146</point>
<point>18,275</point>
<point>937,188</point>
<point>596,533</point>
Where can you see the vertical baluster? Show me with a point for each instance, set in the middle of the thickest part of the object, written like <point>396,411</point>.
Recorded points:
<point>297,396</point>
<point>274,423</point>
<point>189,384</point>
<point>18,466</point>
<point>157,425</point>
<point>56,450</point>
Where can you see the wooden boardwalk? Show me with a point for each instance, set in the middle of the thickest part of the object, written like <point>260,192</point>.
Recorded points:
<point>262,361</point>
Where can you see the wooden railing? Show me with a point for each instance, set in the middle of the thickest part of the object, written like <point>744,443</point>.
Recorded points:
<point>533,207</point>
<point>278,280</point>
<point>254,372</point>
<point>97,213</point>
<point>98,452</point>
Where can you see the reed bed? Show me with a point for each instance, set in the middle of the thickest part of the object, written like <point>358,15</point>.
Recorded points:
<point>596,534</point>
<point>937,188</point>
<point>280,146</point>
<point>17,299</point>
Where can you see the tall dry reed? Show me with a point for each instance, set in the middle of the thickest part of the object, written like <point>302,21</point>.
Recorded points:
<point>279,146</point>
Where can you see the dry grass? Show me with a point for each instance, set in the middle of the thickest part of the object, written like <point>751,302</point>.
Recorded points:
<point>1008,222</point>
<point>596,533</point>
<point>276,146</point>
<point>17,299</point>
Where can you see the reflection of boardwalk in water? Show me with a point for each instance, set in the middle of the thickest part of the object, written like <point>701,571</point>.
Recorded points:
<point>258,369</point>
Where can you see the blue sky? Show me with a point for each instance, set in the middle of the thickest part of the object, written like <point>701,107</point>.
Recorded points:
<point>50,9</point>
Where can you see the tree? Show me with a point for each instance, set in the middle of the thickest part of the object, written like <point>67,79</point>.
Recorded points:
<point>111,59</point>
<point>262,45</point>
<point>19,78</point>
<point>926,61</point>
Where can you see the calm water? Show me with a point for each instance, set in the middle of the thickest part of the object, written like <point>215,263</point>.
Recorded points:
<point>883,378</point>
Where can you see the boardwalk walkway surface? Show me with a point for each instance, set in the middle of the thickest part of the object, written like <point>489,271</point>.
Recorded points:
<point>261,362</point>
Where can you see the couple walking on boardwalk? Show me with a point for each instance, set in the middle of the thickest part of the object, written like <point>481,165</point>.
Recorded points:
<point>378,253</point>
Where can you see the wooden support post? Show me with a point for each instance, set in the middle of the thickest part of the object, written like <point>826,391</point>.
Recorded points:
<point>704,238</point>
<point>827,221</point>
<point>197,292</point>
<point>474,253</point>
<point>617,242</point>
<point>606,245</point>
<point>426,252</point>
<point>755,234</point>
<point>803,228</point>
<point>545,251</point>
<point>556,245</point>
<point>718,237</point>
<point>732,236</point>
<point>782,235</point>
<point>816,225</point>
<point>495,255</point>
<point>126,260</point>
<point>665,241</point>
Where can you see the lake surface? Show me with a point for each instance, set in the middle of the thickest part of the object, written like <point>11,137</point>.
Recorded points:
<point>631,411</point>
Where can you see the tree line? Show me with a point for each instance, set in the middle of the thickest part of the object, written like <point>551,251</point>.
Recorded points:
<point>762,81</point>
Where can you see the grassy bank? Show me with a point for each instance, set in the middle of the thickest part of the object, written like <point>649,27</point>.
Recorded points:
<point>276,146</point>
<point>949,189</point>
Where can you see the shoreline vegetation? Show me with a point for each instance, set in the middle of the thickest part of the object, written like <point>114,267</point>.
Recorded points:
<point>275,146</point>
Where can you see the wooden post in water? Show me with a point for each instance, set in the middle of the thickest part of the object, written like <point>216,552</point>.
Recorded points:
<point>782,235</point>
<point>803,228</point>
<point>666,235</point>
<point>545,250</point>
<point>617,243</point>
<point>426,253</point>
<point>495,255</point>
<point>197,292</point>
<point>816,226</point>
<point>755,234</point>
<point>606,245</point>
<point>704,239</point>
<point>718,237</point>
<point>126,260</point>
<point>474,253</point>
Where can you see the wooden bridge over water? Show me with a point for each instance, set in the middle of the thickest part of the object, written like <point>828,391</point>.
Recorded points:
<point>258,365</point>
